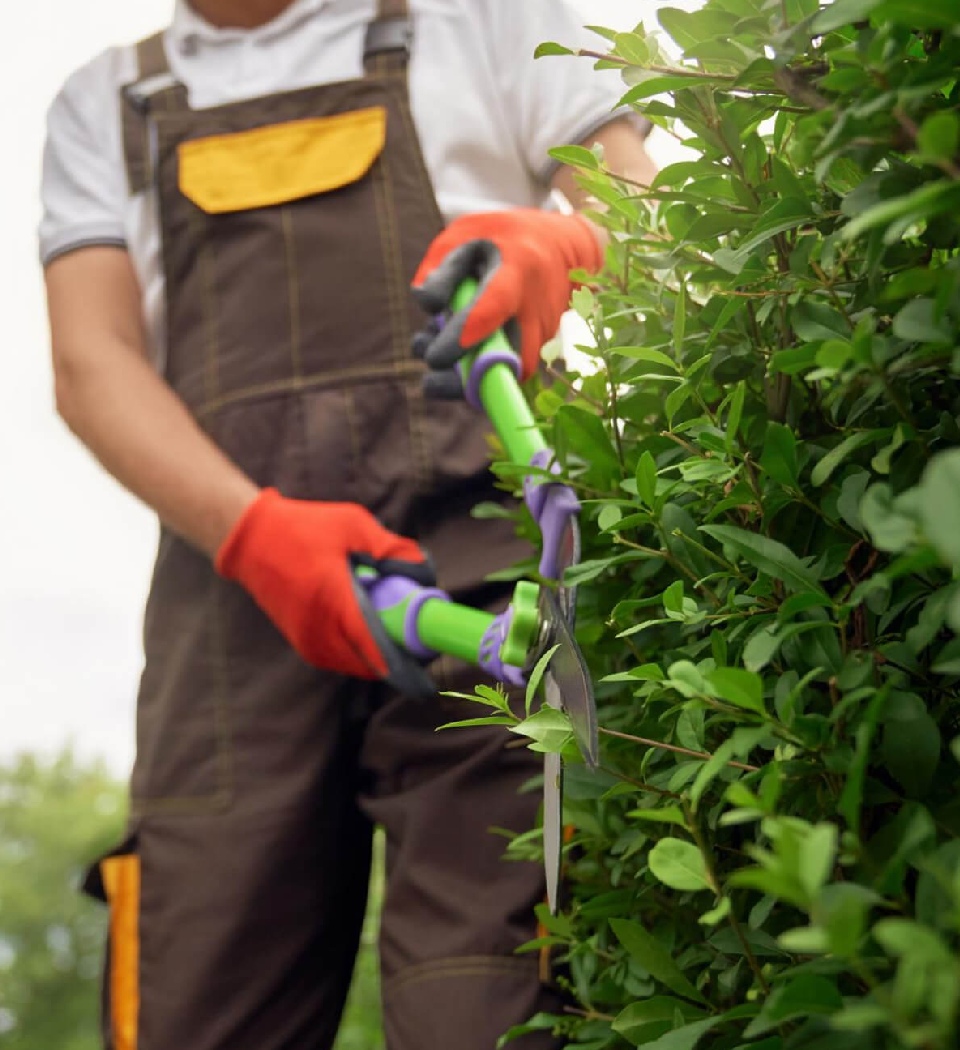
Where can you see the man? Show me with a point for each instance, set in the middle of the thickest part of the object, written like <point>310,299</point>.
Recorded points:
<point>234,213</point>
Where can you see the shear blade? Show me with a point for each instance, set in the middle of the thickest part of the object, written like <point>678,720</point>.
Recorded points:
<point>568,673</point>
<point>568,556</point>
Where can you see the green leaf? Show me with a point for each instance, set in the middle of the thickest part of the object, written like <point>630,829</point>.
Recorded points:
<point>779,456</point>
<point>911,743</point>
<point>609,517</point>
<point>640,1018</point>
<point>663,815</point>
<point>889,528</point>
<point>923,204</point>
<point>735,413</point>
<point>842,13</point>
<point>680,319</point>
<point>939,135</point>
<point>536,675</point>
<point>816,858</point>
<point>575,156</point>
<point>917,322</point>
<point>825,467</point>
<point>761,648</point>
<point>649,953</point>
<point>918,14</point>
<point>716,915</point>
<point>647,480</point>
<point>679,865</point>
<point>815,322</point>
<point>939,505</point>
<point>549,49</point>
<point>769,556</point>
<point>685,1038</point>
<point>804,995</point>
<point>739,687</point>
<point>646,353</point>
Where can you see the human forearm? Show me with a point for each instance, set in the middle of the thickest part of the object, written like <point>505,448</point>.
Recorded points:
<point>122,410</point>
<point>144,436</point>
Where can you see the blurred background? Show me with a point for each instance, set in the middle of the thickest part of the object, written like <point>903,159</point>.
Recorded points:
<point>75,556</point>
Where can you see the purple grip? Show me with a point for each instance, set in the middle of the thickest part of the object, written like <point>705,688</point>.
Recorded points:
<point>482,364</point>
<point>386,592</point>
<point>552,505</point>
<point>492,645</point>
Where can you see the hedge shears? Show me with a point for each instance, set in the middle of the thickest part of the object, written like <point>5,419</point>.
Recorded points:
<point>424,622</point>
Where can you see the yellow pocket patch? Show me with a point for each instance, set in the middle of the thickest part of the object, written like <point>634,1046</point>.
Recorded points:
<point>281,163</point>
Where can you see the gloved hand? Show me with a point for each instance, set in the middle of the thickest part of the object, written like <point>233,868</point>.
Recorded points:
<point>295,558</point>
<point>522,261</point>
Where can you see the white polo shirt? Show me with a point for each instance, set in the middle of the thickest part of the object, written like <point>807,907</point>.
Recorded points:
<point>485,110</point>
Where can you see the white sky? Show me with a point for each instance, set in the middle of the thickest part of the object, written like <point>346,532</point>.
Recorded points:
<point>75,550</point>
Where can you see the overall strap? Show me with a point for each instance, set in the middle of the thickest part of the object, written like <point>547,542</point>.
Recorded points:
<point>154,82</point>
<point>386,48</point>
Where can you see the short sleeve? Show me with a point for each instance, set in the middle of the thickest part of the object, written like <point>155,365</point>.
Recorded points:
<point>83,188</point>
<point>552,101</point>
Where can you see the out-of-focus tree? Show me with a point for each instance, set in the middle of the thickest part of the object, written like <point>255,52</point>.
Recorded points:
<point>55,817</point>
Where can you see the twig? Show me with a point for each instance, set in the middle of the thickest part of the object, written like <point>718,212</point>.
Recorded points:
<point>702,755</point>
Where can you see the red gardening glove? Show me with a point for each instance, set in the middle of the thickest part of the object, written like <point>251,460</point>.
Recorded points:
<point>295,558</point>
<point>522,261</point>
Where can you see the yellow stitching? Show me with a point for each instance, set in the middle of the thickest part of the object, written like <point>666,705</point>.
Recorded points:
<point>300,384</point>
<point>399,318</point>
<point>467,966</point>
<point>293,288</point>
<point>211,369</point>
<point>143,806</point>
<point>224,740</point>
<point>390,252</point>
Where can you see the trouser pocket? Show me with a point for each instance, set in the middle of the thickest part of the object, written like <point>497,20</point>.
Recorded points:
<point>115,880</point>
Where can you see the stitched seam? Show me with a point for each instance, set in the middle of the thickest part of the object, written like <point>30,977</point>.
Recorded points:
<point>399,317</point>
<point>468,966</point>
<point>224,742</point>
<point>149,805</point>
<point>353,424</point>
<point>390,251</point>
<point>326,380</point>
<point>416,405</point>
<point>293,290</point>
<point>211,366</point>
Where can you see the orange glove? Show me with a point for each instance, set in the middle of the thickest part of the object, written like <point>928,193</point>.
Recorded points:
<point>522,260</point>
<point>296,557</point>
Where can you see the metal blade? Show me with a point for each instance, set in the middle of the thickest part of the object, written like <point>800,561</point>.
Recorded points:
<point>568,556</point>
<point>552,808</point>
<point>568,671</point>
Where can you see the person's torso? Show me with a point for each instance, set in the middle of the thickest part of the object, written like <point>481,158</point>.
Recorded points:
<point>467,140</point>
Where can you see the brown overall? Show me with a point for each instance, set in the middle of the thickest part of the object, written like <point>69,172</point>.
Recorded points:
<point>292,226</point>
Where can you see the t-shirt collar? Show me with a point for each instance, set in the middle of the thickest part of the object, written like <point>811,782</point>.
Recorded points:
<point>188,30</point>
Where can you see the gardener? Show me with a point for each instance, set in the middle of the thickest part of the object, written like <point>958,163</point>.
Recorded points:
<point>234,213</point>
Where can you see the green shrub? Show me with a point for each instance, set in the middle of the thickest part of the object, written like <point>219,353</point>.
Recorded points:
<point>767,454</point>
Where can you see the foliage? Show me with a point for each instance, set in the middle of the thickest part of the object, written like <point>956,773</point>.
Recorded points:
<point>361,1025</point>
<point>767,451</point>
<point>55,817</point>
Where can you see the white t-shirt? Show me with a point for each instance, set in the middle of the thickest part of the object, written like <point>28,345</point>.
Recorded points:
<point>485,110</point>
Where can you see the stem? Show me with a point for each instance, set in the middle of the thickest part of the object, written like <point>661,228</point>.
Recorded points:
<point>702,755</point>
<point>694,828</point>
<point>641,785</point>
<point>670,71</point>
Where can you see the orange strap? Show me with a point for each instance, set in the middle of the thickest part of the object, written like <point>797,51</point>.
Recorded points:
<point>121,880</point>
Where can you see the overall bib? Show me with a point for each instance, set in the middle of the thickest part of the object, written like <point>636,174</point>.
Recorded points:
<point>291,228</point>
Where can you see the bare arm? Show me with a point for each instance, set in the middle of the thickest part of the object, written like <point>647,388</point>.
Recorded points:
<point>114,401</point>
<point>623,153</point>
